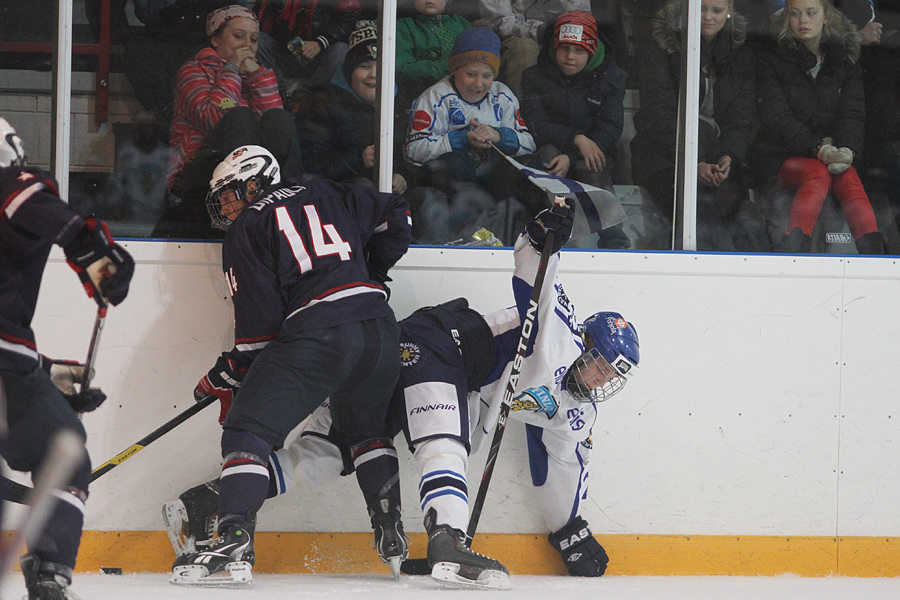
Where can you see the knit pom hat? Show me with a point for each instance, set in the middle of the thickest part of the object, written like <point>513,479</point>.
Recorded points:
<point>363,46</point>
<point>478,44</point>
<point>576,28</point>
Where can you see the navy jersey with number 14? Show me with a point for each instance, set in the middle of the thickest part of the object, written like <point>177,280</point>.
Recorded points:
<point>298,258</point>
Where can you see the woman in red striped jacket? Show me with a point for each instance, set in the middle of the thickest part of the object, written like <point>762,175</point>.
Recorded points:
<point>224,99</point>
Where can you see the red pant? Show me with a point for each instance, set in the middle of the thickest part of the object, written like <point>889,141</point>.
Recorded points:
<point>810,179</point>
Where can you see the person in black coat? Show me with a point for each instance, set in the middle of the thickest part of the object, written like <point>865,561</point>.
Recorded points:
<point>727,99</point>
<point>573,100</point>
<point>812,120</point>
<point>337,128</point>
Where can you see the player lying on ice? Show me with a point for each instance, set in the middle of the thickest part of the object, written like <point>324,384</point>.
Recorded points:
<point>455,364</point>
<point>311,322</point>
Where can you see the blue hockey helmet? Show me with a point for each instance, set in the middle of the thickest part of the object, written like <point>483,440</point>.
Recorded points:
<point>12,152</point>
<point>611,354</point>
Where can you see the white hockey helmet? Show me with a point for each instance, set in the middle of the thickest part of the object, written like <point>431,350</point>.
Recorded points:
<point>12,152</point>
<point>243,165</point>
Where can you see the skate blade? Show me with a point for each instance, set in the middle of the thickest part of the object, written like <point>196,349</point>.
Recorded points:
<point>236,574</point>
<point>174,516</point>
<point>394,563</point>
<point>447,572</point>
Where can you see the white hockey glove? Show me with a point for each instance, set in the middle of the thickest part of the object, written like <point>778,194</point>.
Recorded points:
<point>65,374</point>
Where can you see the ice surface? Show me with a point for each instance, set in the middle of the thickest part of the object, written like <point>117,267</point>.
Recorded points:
<point>155,586</point>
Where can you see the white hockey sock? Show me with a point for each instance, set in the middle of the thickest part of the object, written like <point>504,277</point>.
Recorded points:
<point>442,464</point>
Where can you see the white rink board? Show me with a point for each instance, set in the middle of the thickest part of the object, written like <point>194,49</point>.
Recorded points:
<point>764,403</point>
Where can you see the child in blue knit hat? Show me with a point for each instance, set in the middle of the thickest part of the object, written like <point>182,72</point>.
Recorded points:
<point>457,126</point>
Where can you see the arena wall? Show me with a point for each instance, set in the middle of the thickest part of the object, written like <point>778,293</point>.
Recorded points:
<point>759,436</point>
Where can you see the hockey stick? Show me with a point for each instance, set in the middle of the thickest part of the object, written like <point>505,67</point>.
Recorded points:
<point>64,455</point>
<point>92,348</point>
<point>419,566</point>
<point>510,392</point>
<point>16,492</point>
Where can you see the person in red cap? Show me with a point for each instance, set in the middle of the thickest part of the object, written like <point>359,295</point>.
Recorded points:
<point>573,102</point>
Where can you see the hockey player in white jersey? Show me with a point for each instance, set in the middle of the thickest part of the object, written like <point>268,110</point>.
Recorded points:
<point>447,402</point>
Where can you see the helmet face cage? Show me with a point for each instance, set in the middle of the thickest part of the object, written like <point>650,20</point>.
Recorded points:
<point>592,379</point>
<point>12,151</point>
<point>611,353</point>
<point>214,203</point>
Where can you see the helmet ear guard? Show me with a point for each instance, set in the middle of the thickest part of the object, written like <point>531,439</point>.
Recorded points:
<point>611,354</point>
<point>243,165</point>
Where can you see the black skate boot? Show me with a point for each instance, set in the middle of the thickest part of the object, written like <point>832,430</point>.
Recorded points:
<point>191,520</point>
<point>45,581</point>
<point>228,561</point>
<point>453,562</point>
<point>390,541</point>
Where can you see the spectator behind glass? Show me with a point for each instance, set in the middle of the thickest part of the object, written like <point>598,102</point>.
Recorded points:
<point>573,101</point>
<point>454,127</point>
<point>424,43</point>
<point>338,129</point>
<point>323,28</point>
<point>727,98</point>
<point>224,99</point>
<point>522,24</point>
<point>812,117</point>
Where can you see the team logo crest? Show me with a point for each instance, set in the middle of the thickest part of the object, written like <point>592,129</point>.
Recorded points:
<point>538,399</point>
<point>409,354</point>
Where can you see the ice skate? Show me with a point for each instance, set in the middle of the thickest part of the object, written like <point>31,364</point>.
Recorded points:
<point>390,541</point>
<point>192,519</point>
<point>227,562</point>
<point>45,581</point>
<point>453,562</point>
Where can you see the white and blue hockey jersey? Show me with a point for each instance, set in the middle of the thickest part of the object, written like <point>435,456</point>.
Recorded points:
<point>440,112</point>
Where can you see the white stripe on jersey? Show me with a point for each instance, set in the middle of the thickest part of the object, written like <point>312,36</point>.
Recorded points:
<point>19,349</point>
<point>252,347</point>
<point>354,291</point>
<point>20,199</point>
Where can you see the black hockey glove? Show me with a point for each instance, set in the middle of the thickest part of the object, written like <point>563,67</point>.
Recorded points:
<point>559,219</point>
<point>104,267</point>
<point>583,555</point>
<point>222,381</point>
<point>65,374</point>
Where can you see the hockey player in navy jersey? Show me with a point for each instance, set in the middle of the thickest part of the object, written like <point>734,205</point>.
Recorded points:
<point>304,266</point>
<point>455,364</point>
<point>32,219</point>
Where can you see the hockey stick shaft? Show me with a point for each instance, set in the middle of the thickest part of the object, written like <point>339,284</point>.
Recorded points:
<point>16,492</point>
<point>510,392</point>
<point>152,437</point>
<point>93,347</point>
